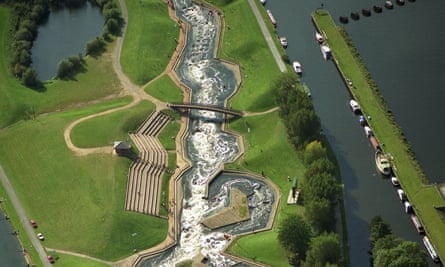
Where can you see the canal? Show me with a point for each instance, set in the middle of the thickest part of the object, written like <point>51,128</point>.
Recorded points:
<point>386,44</point>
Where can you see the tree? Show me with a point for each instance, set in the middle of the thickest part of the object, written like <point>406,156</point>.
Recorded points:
<point>303,126</point>
<point>324,250</point>
<point>95,47</point>
<point>294,235</point>
<point>314,151</point>
<point>319,186</point>
<point>391,251</point>
<point>64,70</point>
<point>30,79</point>
<point>378,228</point>
<point>320,214</point>
<point>322,165</point>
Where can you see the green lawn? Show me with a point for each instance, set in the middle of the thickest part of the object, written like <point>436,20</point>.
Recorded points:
<point>103,130</point>
<point>244,42</point>
<point>165,90</point>
<point>261,247</point>
<point>99,81</point>
<point>149,41</point>
<point>65,260</point>
<point>423,197</point>
<point>168,135</point>
<point>77,200</point>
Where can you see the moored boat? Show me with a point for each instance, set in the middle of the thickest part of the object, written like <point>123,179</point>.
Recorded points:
<point>326,51</point>
<point>368,131</point>
<point>283,41</point>
<point>382,163</point>
<point>271,17</point>
<point>429,247</point>
<point>355,107</point>
<point>263,2</point>
<point>417,224</point>
<point>319,37</point>
<point>297,67</point>
<point>395,181</point>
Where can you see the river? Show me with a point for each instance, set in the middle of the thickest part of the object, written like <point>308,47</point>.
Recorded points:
<point>10,248</point>
<point>65,34</point>
<point>388,43</point>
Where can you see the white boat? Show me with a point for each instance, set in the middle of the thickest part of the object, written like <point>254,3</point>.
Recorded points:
<point>395,181</point>
<point>355,107</point>
<point>429,247</point>
<point>263,2</point>
<point>368,131</point>
<point>271,17</point>
<point>297,67</point>
<point>401,194</point>
<point>408,207</point>
<point>326,51</point>
<point>319,37</point>
<point>283,41</point>
<point>382,163</point>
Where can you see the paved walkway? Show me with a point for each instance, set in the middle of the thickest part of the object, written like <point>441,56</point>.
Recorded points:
<point>273,48</point>
<point>24,220</point>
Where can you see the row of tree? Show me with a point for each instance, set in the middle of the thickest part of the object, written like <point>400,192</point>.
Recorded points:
<point>310,240</point>
<point>296,110</point>
<point>28,14</point>
<point>388,250</point>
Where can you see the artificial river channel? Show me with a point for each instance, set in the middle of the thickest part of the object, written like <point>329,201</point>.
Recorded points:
<point>205,190</point>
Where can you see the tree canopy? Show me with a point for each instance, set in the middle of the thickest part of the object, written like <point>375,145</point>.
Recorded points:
<point>294,235</point>
<point>324,250</point>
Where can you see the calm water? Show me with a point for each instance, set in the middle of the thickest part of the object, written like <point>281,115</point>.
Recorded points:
<point>406,63</point>
<point>65,34</point>
<point>10,249</point>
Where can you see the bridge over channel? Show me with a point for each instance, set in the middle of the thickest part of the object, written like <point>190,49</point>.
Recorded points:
<point>179,106</point>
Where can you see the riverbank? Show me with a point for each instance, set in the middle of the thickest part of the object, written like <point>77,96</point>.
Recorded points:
<point>425,197</point>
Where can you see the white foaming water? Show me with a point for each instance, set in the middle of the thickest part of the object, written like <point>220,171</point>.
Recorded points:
<point>209,147</point>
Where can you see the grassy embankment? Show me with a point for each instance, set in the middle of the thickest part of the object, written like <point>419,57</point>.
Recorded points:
<point>150,40</point>
<point>51,170</point>
<point>424,197</point>
<point>244,44</point>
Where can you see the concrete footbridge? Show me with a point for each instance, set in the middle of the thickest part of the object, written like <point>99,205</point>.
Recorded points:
<point>183,106</point>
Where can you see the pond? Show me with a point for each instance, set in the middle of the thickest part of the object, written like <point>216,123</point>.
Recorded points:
<point>65,34</point>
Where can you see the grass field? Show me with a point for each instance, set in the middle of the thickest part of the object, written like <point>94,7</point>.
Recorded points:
<point>423,197</point>
<point>18,100</point>
<point>244,42</point>
<point>65,260</point>
<point>103,130</point>
<point>149,41</point>
<point>78,200</point>
<point>165,90</point>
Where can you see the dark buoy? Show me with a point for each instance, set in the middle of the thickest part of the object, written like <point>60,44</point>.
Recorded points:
<point>344,19</point>
<point>355,16</point>
<point>366,12</point>
<point>389,4</point>
<point>400,2</point>
<point>377,9</point>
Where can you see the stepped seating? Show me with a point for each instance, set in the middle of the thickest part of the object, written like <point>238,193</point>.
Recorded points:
<point>145,174</point>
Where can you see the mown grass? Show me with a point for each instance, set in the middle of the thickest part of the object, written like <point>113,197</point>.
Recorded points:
<point>77,200</point>
<point>424,198</point>
<point>103,130</point>
<point>18,101</point>
<point>261,247</point>
<point>65,260</point>
<point>165,90</point>
<point>149,41</point>
<point>244,44</point>
<point>168,135</point>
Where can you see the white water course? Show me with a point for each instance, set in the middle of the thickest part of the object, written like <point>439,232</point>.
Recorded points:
<point>208,148</point>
